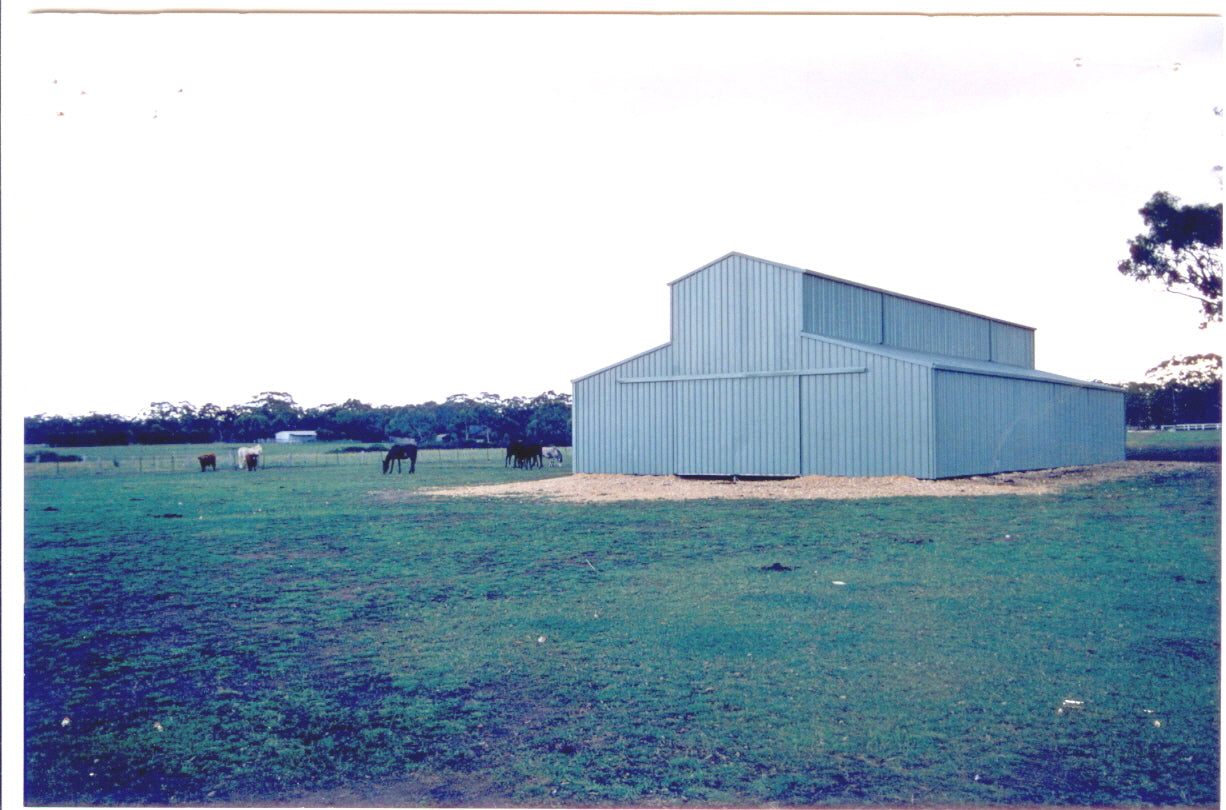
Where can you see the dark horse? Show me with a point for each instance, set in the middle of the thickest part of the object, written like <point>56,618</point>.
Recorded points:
<point>525,454</point>
<point>253,461</point>
<point>207,461</point>
<point>398,453</point>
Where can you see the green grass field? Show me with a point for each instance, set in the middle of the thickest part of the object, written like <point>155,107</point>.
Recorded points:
<point>322,634</point>
<point>1162,445</point>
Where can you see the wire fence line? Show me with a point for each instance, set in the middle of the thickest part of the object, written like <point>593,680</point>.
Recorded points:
<point>148,460</point>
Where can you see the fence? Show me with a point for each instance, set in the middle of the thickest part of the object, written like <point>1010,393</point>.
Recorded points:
<point>140,460</point>
<point>1201,426</point>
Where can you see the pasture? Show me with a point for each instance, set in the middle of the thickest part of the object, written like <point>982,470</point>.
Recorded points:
<point>293,636</point>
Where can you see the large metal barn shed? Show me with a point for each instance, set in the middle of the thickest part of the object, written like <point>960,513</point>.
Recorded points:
<point>777,371</point>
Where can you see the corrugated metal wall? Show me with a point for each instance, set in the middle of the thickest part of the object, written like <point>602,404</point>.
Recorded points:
<point>845,311</point>
<point>1012,345</point>
<point>744,426</point>
<point>622,428</point>
<point>845,412</point>
<point>842,311</point>
<point>704,426</point>
<point>990,423</point>
<point>738,314</point>
<point>928,328</point>
<point>874,423</point>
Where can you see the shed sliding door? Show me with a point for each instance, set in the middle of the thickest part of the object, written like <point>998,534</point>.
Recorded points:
<point>742,426</point>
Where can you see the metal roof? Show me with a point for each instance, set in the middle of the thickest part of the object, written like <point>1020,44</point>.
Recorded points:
<point>622,362</point>
<point>942,362</point>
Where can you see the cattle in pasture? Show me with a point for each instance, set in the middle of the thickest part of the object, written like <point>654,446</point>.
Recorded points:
<point>207,461</point>
<point>253,461</point>
<point>524,454</point>
<point>240,456</point>
<point>399,453</point>
<point>552,455</point>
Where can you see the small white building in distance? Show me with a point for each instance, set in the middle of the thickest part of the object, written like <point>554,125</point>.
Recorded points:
<point>295,436</point>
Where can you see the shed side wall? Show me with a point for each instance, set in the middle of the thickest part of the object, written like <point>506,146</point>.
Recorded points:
<point>1012,345</point>
<point>842,311</point>
<point>847,312</point>
<point>870,424</point>
<point>739,314</point>
<point>622,428</point>
<point>988,424</point>
<point>928,328</point>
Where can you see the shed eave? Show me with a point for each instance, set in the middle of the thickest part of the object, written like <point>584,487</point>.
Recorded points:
<point>1018,373</point>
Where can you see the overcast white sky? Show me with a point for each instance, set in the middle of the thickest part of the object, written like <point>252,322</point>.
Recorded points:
<point>401,208</point>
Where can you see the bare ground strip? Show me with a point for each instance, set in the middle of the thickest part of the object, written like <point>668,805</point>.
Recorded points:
<point>597,488</point>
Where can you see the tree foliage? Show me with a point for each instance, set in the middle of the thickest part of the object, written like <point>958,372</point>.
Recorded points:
<point>460,421</point>
<point>1180,390</point>
<point>1181,250</point>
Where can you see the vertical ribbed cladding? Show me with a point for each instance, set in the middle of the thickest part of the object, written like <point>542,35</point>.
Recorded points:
<point>621,428</point>
<point>928,328</point>
<point>996,424</point>
<point>707,320</point>
<point>845,311</point>
<point>738,314</point>
<point>768,438</point>
<point>841,310</point>
<point>743,426</point>
<point>1012,345</point>
<point>704,436</point>
<point>873,423</point>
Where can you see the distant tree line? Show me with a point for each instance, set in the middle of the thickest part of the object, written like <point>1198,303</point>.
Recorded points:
<point>1182,390</point>
<point>460,421</point>
<point>1179,390</point>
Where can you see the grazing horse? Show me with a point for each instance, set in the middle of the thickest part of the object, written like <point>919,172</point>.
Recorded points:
<point>398,453</point>
<point>208,460</point>
<point>253,461</point>
<point>240,456</point>
<point>525,454</point>
<point>553,455</point>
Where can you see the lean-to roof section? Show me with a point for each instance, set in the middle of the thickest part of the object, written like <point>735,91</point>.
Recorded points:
<point>621,362</point>
<point>942,362</point>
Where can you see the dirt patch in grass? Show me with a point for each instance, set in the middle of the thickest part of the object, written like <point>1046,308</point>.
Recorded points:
<point>593,488</point>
